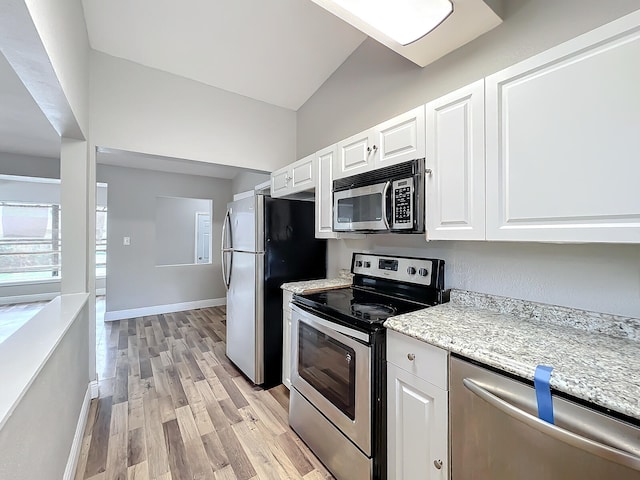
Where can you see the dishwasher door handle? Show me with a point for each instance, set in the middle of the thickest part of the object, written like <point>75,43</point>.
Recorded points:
<point>607,452</point>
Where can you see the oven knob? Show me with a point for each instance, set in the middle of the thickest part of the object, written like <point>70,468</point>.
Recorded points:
<point>411,270</point>
<point>423,272</point>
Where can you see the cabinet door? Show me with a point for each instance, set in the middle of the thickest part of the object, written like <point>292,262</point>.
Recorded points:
<point>563,141</point>
<point>280,182</point>
<point>302,174</point>
<point>400,139</point>
<point>417,416</point>
<point>455,154</point>
<point>286,338</point>
<point>324,199</point>
<point>355,155</point>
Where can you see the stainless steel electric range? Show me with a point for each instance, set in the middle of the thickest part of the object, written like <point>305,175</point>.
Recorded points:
<point>338,359</point>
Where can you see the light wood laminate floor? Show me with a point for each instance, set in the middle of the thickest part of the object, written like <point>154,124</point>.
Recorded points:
<point>172,407</point>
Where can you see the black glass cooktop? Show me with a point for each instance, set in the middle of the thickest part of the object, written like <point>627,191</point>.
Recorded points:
<point>355,307</point>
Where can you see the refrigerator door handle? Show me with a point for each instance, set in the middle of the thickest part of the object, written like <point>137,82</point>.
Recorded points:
<point>602,450</point>
<point>226,269</point>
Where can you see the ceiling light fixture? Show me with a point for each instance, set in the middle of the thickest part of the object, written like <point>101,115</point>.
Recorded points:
<point>403,21</point>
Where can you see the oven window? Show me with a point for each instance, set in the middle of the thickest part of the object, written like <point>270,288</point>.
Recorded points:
<point>363,208</point>
<point>329,367</point>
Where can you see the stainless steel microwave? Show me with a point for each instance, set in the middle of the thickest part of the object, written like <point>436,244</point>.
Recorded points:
<point>390,199</point>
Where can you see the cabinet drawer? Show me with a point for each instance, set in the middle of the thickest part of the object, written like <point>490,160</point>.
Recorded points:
<point>429,362</point>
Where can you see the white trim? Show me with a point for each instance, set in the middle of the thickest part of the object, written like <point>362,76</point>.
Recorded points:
<point>38,297</point>
<point>93,385</point>
<point>74,454</point>
<point>241,195</point>
<point>35,297</point>
<point>157,309</point>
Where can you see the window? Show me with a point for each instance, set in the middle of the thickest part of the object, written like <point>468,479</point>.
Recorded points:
<point>30,241</point>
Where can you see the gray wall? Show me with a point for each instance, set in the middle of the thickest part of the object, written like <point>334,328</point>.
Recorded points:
<point>248,180</point>
<point>133,279</point>
<point>36,440</point>
<point>176,229</point>
<point>375,84</point>
<point>28,166</point>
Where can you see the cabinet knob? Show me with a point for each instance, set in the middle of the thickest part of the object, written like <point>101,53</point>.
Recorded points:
<point>428,171</point>
<point>375,148</point>
<point>368,149</point>
<point>411,357</point>
<point>287,178</point>
<point>437,464</point>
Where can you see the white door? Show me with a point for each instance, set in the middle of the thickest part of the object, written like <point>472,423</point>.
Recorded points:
<point>203,238</point>
<point>280,182</point>
<point>563,141</point>
<point>241,312</point>
<point>243,224</point>
<point>417,427</point>
<point>455,154</point>
<point>400,139</point>
<point>302,174</point>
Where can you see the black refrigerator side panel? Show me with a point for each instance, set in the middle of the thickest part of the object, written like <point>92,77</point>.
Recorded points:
<point>292,253</point>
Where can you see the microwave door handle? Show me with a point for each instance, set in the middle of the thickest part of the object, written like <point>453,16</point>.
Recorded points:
<point>385,192</point>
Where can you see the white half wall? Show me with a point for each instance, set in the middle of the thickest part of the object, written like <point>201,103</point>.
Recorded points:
<point>140,109</point>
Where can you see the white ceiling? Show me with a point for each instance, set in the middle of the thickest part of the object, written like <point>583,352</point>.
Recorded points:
<point>277,51</point>
<point>23,127</point>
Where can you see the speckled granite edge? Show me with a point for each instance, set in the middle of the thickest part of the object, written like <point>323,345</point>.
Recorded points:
<point>308,286</point>
<point>604,323</point>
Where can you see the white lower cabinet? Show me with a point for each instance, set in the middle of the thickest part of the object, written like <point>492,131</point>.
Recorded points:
<point>417,411</point>
<point>287,296</point>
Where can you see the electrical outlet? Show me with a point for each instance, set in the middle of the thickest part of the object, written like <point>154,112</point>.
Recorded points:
<point>126,241</point>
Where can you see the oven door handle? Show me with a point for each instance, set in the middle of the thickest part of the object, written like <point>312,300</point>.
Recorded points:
<point>312,319</point>
<point>385,192</point>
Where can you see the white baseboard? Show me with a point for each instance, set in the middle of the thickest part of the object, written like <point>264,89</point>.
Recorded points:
<point>76,446</point>
<point>157,309</point>
<point>38,297</point>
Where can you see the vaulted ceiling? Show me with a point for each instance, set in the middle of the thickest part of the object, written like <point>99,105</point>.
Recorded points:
<point>277,51</point>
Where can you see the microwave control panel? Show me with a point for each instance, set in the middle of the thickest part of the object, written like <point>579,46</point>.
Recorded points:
<point>402,204</point>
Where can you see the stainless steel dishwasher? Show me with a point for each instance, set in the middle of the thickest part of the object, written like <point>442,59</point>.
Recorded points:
<point>496,434</point>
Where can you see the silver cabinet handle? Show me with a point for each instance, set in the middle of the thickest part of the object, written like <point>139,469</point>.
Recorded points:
<point>411,357</point>
<point>437,464</point>
<point>591,446</point>
<point>428,171</point>
<point>287,178</point>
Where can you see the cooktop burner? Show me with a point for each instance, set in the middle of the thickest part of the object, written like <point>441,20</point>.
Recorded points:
<point>372,311</point>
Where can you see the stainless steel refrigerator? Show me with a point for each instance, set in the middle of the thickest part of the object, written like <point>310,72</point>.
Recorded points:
<point>266,242</point>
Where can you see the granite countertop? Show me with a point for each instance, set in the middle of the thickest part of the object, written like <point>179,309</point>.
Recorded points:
<point>596,357</point>
<point>344,279</point>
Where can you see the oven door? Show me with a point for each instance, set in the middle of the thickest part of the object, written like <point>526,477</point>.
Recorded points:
<point>362,208</point>
<point>331,367</point>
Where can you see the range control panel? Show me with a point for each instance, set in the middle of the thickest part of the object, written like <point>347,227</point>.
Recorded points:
<point>402,269</point>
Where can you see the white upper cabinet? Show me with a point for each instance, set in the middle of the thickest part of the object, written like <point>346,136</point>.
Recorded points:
<point>397,140</point>
<point>324,203</point>
<point>563,141</point>
<point>455,155</point>
<point>400,139</point>
<point>293,178</point>
<point>355,155</point>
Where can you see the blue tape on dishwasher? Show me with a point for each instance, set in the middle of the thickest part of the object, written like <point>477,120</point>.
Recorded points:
<point>543,392</point>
